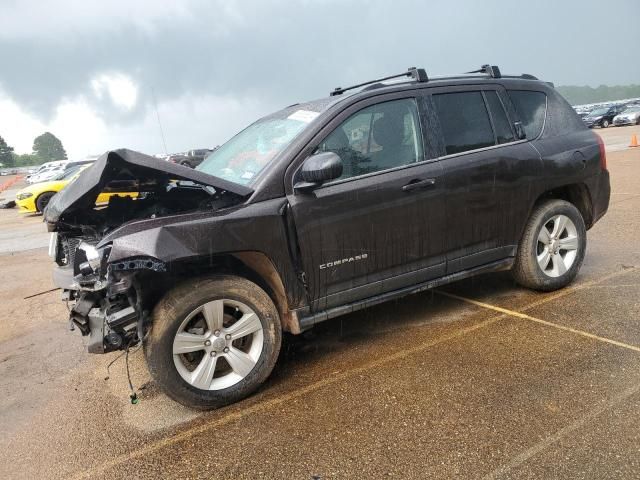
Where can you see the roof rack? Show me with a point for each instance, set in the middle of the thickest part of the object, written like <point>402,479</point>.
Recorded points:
<point>492,70</point>
<point>418,74</point>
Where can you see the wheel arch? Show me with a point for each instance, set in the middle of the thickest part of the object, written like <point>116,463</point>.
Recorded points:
<point>252,265</point>
<point>577,194</point>
<point>35,200</point>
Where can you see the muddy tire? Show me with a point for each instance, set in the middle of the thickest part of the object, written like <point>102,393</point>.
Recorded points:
<point>552,247</point>
<point>43,200</point>
<point>213,341</point>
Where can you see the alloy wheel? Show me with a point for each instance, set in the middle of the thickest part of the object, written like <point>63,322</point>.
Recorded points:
<point>218,344</point>
<point>557,246</point>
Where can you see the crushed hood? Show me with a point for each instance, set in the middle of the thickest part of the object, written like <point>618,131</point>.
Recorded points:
<point>128,171</point>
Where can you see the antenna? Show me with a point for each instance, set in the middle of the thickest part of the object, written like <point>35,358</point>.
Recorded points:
<point>155,104</point>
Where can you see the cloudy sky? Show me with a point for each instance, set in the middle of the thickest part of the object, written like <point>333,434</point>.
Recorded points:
<point>92,71</point>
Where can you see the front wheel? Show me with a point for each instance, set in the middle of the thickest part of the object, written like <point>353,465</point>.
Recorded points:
<point>213,341</point>
<point>552,247</point>
<point>43,200</point>
<point>605,123</point>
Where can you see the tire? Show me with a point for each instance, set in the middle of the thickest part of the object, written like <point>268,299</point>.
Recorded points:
<point>43,200</point>
<point>219,383</point>
<point>605,124</point>
<point>564,255</point>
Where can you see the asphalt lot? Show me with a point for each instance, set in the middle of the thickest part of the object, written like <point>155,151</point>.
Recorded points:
<point>480,379</point>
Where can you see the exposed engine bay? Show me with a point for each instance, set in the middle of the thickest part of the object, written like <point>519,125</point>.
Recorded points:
<point>105,299</point>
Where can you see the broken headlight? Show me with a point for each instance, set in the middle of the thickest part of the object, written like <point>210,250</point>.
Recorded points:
<point>94,257</point>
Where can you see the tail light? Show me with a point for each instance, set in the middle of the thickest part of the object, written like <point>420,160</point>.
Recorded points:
<point>603,153</point>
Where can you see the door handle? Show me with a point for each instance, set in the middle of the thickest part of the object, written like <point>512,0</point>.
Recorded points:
<point>418,184</point>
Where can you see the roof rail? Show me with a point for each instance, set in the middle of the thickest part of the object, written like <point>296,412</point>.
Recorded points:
<point>418,74</point>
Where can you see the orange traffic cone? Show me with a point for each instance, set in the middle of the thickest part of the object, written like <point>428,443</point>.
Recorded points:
<point>634,141</point>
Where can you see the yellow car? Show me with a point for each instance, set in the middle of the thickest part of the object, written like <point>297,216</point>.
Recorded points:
<point>35,198</point>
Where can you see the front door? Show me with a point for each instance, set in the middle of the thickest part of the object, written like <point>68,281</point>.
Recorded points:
<point>380,226</point>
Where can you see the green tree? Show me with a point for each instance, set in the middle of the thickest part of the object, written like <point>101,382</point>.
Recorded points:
<point>49,148</point>
<point>26,160</point>
<point>6,154</point>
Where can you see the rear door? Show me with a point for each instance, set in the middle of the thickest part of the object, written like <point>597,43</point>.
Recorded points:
<point>380,226</point>
<point>486,170</point>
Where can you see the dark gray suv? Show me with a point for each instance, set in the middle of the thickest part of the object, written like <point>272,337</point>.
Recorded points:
<point>320,209</point>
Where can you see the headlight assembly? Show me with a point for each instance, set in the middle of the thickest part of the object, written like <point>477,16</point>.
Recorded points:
<point>22,196</point>
<point>94,258</point>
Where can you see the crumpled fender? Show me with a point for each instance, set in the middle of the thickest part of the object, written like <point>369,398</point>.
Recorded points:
<point>258,227</point>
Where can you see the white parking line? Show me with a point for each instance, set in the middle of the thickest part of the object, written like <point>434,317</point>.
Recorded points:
<point>524,316</point>
<point>560,434</point>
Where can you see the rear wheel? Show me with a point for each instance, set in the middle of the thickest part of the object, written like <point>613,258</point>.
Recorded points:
<point>552,247</point>
<point>43,200</point>
<point>213,341</point>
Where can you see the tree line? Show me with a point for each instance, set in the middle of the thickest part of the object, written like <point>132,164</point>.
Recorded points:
<point>580,95</point>
<point>46,148</point>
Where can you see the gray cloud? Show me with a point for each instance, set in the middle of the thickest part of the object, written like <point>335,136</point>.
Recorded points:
<point>281,52</point>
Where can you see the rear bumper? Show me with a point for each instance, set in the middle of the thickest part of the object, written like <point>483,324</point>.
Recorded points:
<point>601,195</point>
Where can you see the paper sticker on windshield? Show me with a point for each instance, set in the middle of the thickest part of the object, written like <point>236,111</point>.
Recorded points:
<point>305,116</point>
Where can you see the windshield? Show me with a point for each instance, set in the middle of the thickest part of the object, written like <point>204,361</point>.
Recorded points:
<point>599,111</point>
<point>245,155</point>
<point>632,109</point>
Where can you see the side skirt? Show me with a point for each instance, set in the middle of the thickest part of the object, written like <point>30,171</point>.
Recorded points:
<point>308,320</point>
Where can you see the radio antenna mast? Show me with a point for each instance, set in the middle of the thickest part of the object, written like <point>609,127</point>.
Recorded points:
<point>155,105</point>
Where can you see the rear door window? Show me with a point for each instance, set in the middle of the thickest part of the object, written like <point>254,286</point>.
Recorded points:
<point>464,121</point>
<point>501,125</point>
<point>531,107</point>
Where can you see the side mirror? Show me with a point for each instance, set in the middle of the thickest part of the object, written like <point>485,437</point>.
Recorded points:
<point>520,133</point>
<point>318,169</point>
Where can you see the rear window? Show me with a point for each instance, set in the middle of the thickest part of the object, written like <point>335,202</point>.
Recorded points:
<point>531,107</point>
<point>464,121</point>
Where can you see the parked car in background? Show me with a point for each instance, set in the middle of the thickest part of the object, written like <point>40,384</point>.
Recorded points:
<point>46,174</point>
<point>72,165</point>
<point>36,197</point>
<point>192,158</point>
<point>629,116</point>
<point>45,166</point>
<point>602,117</point>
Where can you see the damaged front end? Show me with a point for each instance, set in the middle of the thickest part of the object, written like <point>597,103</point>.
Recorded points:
<point>106,299</point>
<point>110,292</point>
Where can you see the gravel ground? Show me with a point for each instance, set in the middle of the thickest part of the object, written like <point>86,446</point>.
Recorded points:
<point>496,382</point>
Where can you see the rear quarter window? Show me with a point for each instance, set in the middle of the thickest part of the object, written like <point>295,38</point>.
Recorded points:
<point>531,107</point>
